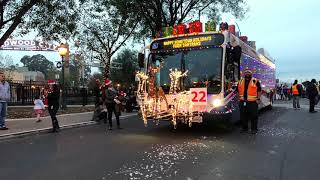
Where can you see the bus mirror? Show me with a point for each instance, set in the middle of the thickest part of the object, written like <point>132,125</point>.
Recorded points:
<point>141,60</point>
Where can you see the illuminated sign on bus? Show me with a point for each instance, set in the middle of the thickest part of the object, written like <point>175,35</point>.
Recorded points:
<point>188,42</point>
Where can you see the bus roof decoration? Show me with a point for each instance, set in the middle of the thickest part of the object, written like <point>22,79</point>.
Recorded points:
<point>182,29</point>
<point>167,31</point>
<point>195,27</point>
<point>159,34</point>
<point>244,39</point>
<point>232,29</point>
<point>223,26</point>
<point>210,26</point>
<point>252,44</point>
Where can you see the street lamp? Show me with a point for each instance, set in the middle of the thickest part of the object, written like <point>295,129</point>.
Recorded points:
<point>63,51</point>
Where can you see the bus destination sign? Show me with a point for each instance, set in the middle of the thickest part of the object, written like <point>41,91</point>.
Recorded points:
<point>188,42</point>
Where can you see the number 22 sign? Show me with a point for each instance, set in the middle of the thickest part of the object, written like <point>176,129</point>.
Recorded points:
<point>199,96</point>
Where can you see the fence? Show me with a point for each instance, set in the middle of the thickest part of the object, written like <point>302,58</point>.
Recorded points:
<point>24,93</point>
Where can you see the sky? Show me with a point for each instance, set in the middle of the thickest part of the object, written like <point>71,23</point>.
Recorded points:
<point>287,29</point>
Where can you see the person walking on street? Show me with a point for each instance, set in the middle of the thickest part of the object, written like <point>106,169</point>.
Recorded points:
<point>53,106</point>
<point>4,98</point>
<point>249,90</point>
<point>296,90</point>
<point>110,101</point>
<point>313,93</point>
<point>38,108</point>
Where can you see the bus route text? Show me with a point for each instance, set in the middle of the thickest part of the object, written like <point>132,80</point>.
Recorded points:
<point>189,42</point>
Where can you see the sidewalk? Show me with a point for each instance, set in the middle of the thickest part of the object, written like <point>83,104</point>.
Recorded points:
<point>20,127</point>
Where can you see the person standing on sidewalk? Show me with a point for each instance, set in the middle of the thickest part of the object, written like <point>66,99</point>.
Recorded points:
<point>4,98</point>
<point>249,90</point>
<point>97,94</point>
<point>110,101</point>
<point>313,93</point>
<point>296,90</point>
<point>38,108</point>
<point>53,106</point>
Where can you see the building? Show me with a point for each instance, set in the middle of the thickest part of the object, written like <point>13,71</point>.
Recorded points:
<point>23,74</point>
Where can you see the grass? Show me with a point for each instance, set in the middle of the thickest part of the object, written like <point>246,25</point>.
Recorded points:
<point>28,112</point>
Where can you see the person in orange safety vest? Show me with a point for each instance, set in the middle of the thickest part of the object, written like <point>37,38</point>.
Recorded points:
<point>249,90</point>
<point>296,92</point>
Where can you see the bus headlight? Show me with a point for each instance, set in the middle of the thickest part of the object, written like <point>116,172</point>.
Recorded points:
<point>217,103</point>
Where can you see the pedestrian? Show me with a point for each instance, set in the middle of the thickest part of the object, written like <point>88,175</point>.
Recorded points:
<point>38,108</point>
<point>110,102</point>
<point>296,91</point>
<point>97,93</point>
<point>281,92</point>
<point>312,95</point>
<point>4,98</point>
<point>53,106</point>
<point>249,90</point>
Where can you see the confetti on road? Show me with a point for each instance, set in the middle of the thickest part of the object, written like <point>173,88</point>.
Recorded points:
<point>162,161</point>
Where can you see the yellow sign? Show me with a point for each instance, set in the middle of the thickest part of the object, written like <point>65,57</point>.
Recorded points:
<point>188,42</point>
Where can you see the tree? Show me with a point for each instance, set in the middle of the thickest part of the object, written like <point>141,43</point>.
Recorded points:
<point>7,65</point>
<point>126,74</point>
<point>92,80</point>
<point>106,27</point>
<point>161,13</point>
<point>38,63</point>
<point>51,18</point>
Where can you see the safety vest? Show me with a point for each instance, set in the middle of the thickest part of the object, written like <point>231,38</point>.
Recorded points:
<point>295,90</point>
<point>252,90</point>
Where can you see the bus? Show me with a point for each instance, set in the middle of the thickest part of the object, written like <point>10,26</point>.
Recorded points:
<point>191,78</point>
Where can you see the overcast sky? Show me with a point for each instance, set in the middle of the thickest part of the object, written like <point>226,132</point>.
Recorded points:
<point>287,29</point>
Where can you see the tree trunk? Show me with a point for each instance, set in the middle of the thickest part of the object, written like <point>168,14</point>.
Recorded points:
<point>107,69</point>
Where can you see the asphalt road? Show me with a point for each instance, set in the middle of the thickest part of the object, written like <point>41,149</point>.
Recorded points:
<point>286,148</point>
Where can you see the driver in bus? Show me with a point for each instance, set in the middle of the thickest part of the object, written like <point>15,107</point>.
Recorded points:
<point>249,90</point>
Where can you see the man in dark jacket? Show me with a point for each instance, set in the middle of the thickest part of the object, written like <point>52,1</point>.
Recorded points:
<point>97,93</point>
<point>53,106</point>
<point>111,95</point>
<point>312,92</point>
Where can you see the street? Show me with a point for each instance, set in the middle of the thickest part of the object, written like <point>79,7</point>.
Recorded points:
<point>286,148</point>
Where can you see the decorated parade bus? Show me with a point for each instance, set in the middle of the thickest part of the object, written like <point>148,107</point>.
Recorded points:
<point>190,76</point>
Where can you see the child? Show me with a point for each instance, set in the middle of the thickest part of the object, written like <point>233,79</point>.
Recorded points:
<point>38,108</point>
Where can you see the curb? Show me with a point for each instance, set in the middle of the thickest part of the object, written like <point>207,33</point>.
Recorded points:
<point>46,130</point>
<point>43,130</point>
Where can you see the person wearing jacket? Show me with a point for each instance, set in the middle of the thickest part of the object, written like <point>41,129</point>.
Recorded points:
<point>4,98</point>
<point>296,90</point>
<point>97,93</point>
<point>53,106</point>
<point>313,93</point>
<point>111,99</point>
<point>249,90</point>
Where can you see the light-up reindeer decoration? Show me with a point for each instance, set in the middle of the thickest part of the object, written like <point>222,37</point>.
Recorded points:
<point>141,94</point>
<point>175,76</point>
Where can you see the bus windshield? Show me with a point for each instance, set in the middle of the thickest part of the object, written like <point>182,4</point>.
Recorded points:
<point>203,65</point>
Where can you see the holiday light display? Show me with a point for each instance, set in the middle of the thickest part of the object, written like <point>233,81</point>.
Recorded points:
<point>175,76</point>
<point>177,104</point>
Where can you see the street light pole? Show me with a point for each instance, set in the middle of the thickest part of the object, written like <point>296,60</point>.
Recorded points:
<point>64,106</point>
<point>63,51</point>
